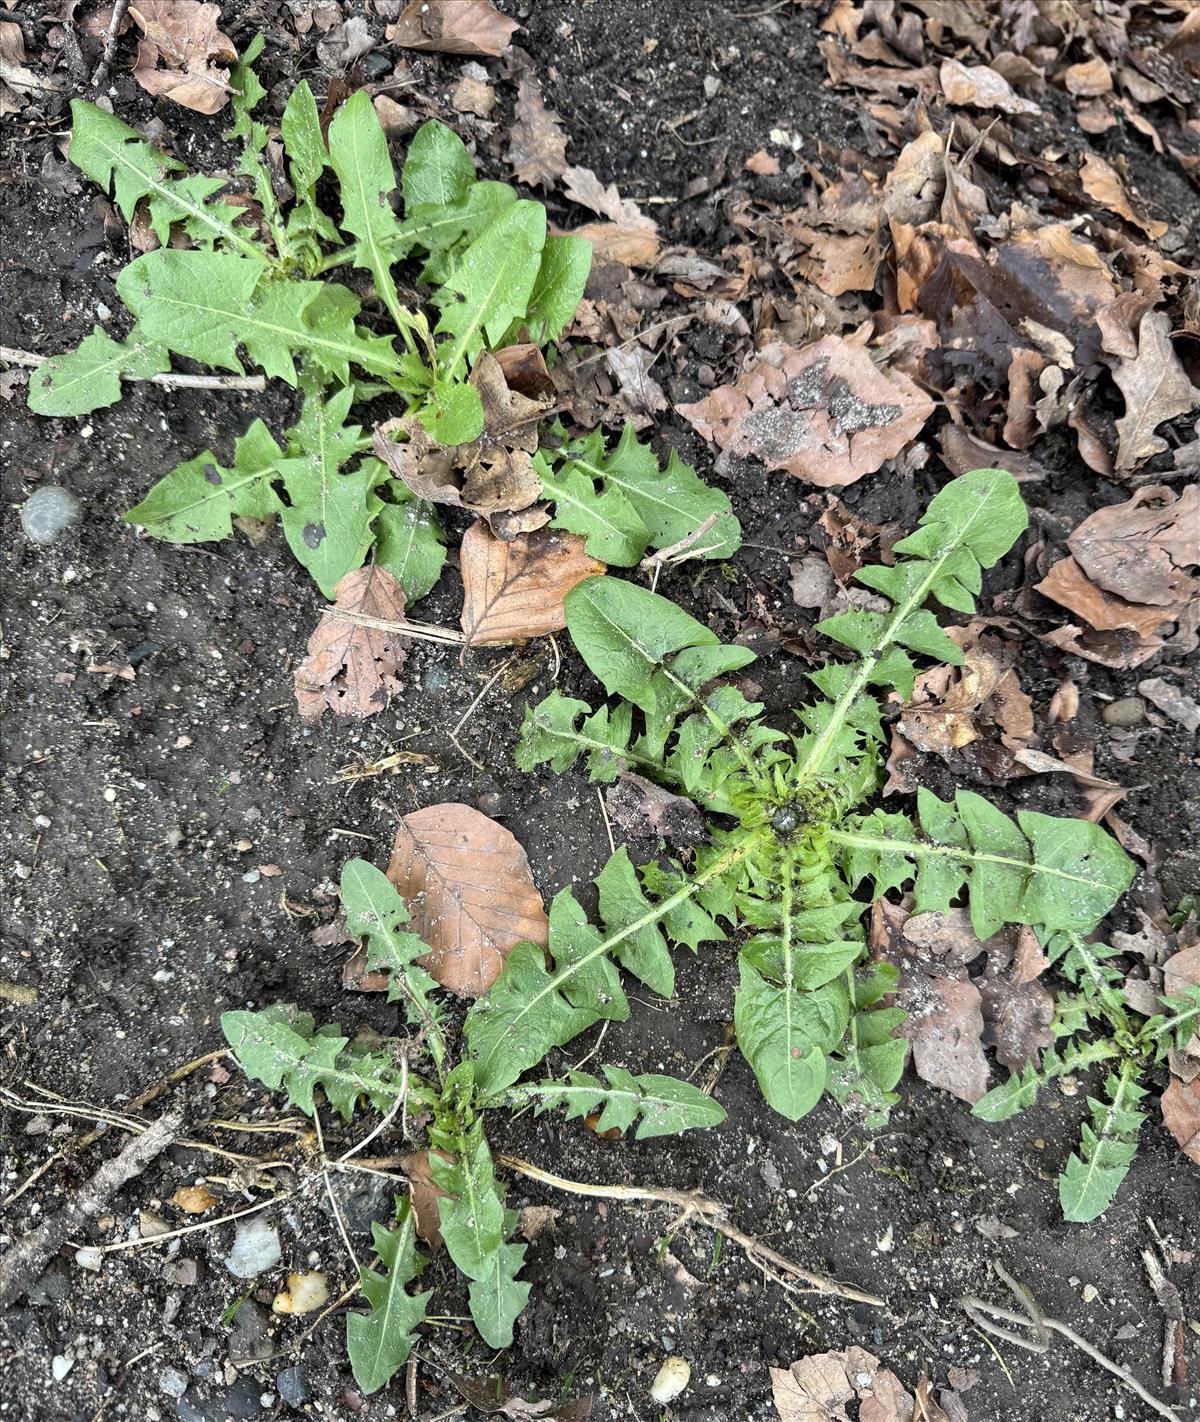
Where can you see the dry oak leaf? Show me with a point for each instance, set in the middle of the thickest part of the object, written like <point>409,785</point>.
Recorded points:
<point>492,474</point>
<point>824,412</point>
<point>981,88</point>
<point>1156,388</point>
<point>817,1389</point>
<point>470,892</point>
<point>949,703</point>
<point>610,242</point>
<point>1103,184</point>
<point>514,589</point>
<point>472,27</point>
<point>628,236</point>
<point>351,668</point>
<point>182,35</point>
<point>537,146</point>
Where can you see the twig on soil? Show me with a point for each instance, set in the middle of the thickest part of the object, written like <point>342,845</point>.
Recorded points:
<point>1033,1318</point>
<point>337,1209</point>
<point>679,552</point>
<point>26,1260</point>
<point>173,380</point>
<point>426,631</point>
<point>709,1212</point>
<point>153,1239</point>
<point>110,41</point>
<point>470,711</point>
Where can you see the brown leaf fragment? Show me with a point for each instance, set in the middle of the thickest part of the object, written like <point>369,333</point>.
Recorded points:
<point>1067,584</point>
<point>981,88</point>
<point>1140,550</point>
<point>472,94</point>
<point>1156,389</point>
<point>473,27</point>
<point>351,669</point>
<point>819,1387</point>
<point>824,412</point>
<point>952,706</point>
<point>839,262</point>
<point>514,590</point>
<point>182,37</point>
<point>537,147</point>
<point>493,473</point>
<point>424,1195</point>
<point>1088,79</point>
<point>1102,184</point>
<point>470,892</point>
<point>611,242</point>
<point>584,187</point>
<point>1181,1115</point>
<point>646,813</point>
<point>765,164</point>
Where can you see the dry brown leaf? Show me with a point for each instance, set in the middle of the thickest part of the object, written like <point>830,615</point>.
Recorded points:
<point>824,412</point>
<point>1102,184</point>
<point>473,27</point>
<point>1156,388</point>
<point>514,590</point>
<point>537,146</point>
<point>817,1389</point>
<point>1089,79</point>
<point>424,1195</point>
<point>950,706</point>
<point>839,262</point>
<point>1181,1115</point>
<point>468,886</point>
<point>1140,549</point>
<point>765,164</point>
<point>584,187</point>
<point>472,94</point>
<point>646,813</point>
<point>182,36</point>
<point>494,473</point>
<point>351,668</point>
<point>634,247</point>
<point>1068,585</point>
<point>981,88</point>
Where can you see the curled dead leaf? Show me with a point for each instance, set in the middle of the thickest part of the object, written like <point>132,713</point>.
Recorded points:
<point>537,146</point>
<point>182,37</point>
<point>351,667</point>
<point>514,589</point>
<point>470,891</point>
<point>492,474</point>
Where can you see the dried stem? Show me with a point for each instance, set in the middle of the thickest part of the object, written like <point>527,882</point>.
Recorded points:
<point>709,1212</point>
<point>172,379</point>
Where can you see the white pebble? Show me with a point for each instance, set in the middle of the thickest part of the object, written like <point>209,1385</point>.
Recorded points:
<point>670,1380</point>
<point>60,1366</point>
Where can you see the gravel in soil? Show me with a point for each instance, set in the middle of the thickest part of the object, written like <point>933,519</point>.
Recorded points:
<point>171,835</point>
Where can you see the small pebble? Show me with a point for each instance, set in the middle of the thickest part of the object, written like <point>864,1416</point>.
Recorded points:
<point>1128,711</point>
<point>670,1380</point>
<point>47,512</point>
<point>292,1386</point>
<point>60,1366</point>
<point>89,1259</point>
<point>304,1293</point>
<point>172,1382</point>
<point>1090,1293</point>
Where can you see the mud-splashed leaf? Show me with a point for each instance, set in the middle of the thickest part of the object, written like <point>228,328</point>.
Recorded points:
<point>824,412</point>
<point>1103,184</point>
<point>182,53</point>
<point>514,589</point>
<point>1156,389</point>
<point>473,27</point>
<point>351,667</point>
<point>537,147</point>
<point>470,891</point>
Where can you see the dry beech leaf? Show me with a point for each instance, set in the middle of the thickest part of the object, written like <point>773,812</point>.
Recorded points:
<point>492,474</point>
<point>824,412</point>
<point>182,35</point>
<point>537,146</point>
<point>473,27</point>
<point>351,668</point>
<point>468,886</point>
<point>1089,79</point>
<point>1156,388</point>
<point>981,88</point>
<point>1102,184</point>
<point>514,589</point>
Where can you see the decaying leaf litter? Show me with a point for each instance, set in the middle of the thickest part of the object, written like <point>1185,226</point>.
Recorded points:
<point>984,415</point>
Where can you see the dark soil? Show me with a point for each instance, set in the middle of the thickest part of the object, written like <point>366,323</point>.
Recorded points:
<point>136,814</point>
